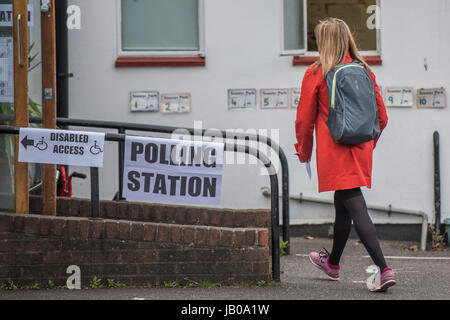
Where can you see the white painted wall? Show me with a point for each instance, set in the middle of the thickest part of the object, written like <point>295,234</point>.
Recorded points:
<point>242,51</point>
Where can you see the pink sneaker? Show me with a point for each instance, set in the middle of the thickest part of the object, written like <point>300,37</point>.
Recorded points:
<point>320,260</point>
<point>381,282</point>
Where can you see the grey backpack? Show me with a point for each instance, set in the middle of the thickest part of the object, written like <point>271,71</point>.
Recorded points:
<point>353,113</point>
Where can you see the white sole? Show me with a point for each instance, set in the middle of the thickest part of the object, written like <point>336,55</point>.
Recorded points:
<point>318,267</point>
<point>385,286</point>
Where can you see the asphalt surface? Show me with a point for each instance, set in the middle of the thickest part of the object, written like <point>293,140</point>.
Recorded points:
<point>419,275</point>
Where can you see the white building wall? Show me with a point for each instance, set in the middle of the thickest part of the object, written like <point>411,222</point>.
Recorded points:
<point>242,51</point>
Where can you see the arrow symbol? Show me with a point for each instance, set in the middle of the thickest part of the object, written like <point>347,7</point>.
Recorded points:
<point>27,142</point>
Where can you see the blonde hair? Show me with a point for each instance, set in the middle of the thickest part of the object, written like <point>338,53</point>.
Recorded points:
<point>334,39</point>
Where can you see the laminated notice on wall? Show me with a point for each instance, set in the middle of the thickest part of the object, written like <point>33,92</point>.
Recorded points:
<point>274,98</point>
<point>175,102</point>
<point>241,98</point>
<point>6,70</point>
<point>431,98</point>
<point>295,97</point>
<point>399,96</point>
<point>144,101</point>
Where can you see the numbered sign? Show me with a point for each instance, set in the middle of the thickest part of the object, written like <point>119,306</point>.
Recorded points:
<point>399,96</point>
<point>274,98</point>
<point>144,101</point>
<point>295,97</point>
<point>241,98</point>
<point>431,98</point>
<point>175,102</point>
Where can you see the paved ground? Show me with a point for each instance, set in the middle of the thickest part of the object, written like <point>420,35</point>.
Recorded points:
<point>420,276</point>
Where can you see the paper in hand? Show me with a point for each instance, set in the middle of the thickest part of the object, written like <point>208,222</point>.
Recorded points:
<point>308,169</point>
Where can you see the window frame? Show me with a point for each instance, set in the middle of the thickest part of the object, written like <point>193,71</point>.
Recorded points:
<point>306,53</point>
<point>201,38</point>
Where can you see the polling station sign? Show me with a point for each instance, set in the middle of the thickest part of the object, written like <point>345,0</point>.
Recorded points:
<point>173,171</point>
<point>75,148</point>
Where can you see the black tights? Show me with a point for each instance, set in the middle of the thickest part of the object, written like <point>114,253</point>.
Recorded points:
<point>350,205</point>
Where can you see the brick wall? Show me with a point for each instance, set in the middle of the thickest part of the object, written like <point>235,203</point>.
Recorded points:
<point>226,246</point>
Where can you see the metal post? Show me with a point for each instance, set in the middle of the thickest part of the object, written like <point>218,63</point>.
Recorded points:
<point>95,198</point>
<point>121,165</point>
<point>437,184</point>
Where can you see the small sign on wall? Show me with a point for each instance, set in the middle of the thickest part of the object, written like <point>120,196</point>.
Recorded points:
<point>144,101</point>
<point>431,98</point>
<point>176,103</point>
<point>241,98</point>
<point>399,96</point>
<point>274,98</point>
<point>295,97</point>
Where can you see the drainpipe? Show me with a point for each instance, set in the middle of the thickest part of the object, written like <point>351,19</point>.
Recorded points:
<point>62,59</point>
<point>437,185</point>
<point>389,210</point>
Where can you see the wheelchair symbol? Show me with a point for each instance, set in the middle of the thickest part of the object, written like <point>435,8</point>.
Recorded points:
<point>41,145</point>
<point>95,149</point>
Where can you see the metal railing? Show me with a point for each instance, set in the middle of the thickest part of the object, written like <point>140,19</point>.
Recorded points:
<point>122,127</point>
<point>389,209</point>
<point>275,240</point>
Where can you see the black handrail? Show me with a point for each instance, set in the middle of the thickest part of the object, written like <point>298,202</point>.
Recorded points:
<point>122,127</point>
<point>275,241</point>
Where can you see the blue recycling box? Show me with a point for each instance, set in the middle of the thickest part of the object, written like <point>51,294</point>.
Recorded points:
<point>447,229</point>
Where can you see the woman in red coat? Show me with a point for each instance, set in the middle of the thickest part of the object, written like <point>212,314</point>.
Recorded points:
<point>340,168</point>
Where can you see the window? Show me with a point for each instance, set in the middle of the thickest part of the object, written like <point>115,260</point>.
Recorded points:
<point>301,16</point>
<point>160,28</point>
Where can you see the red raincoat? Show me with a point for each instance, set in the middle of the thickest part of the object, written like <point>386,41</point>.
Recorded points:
<point>339,166</point>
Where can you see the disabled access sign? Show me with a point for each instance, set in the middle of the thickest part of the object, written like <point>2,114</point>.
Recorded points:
<point>76,148</point>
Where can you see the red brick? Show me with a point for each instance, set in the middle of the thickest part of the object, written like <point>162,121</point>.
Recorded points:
<point>162,233</point>
<point>72,228</point>
<point>75,209</point>
<point>113,256</point>
<point>147,212</point>
<point>149,232</point>
<point>215,217</point>
<point>96,229</point>
<point>240,219</point>
<point>262,219</point>
<point>201,236</point>
<point>145,256</point>
<point>176,233</point>
<point>84,229</point>
<point>191,216</point>
<point>180,215</point>
<point>227,218</point>
<point>110,208</point>
<point>188,235</point>
<point>11,246</point>
<point>124,230</point>
<point>226,238</point>
<point>45,224</point>
<point>137,231</point>
<point>260,267</point>
<point>128,256</point>
<point>135,211</point>
<point>213,236</point>
<point>251,218</point>
<point>58,227</point>
<point>111,229</point>
<point>122,210</point>
<point>18,223</point>
<point>250,236</point>
<point>31,225</point>
<point>85,208</point>
<point>6,223</point>
<point>170,214</point>
<point>239,238</point>
<point>263,237</point>
<point>63,206</point>
<point>203,217</point>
